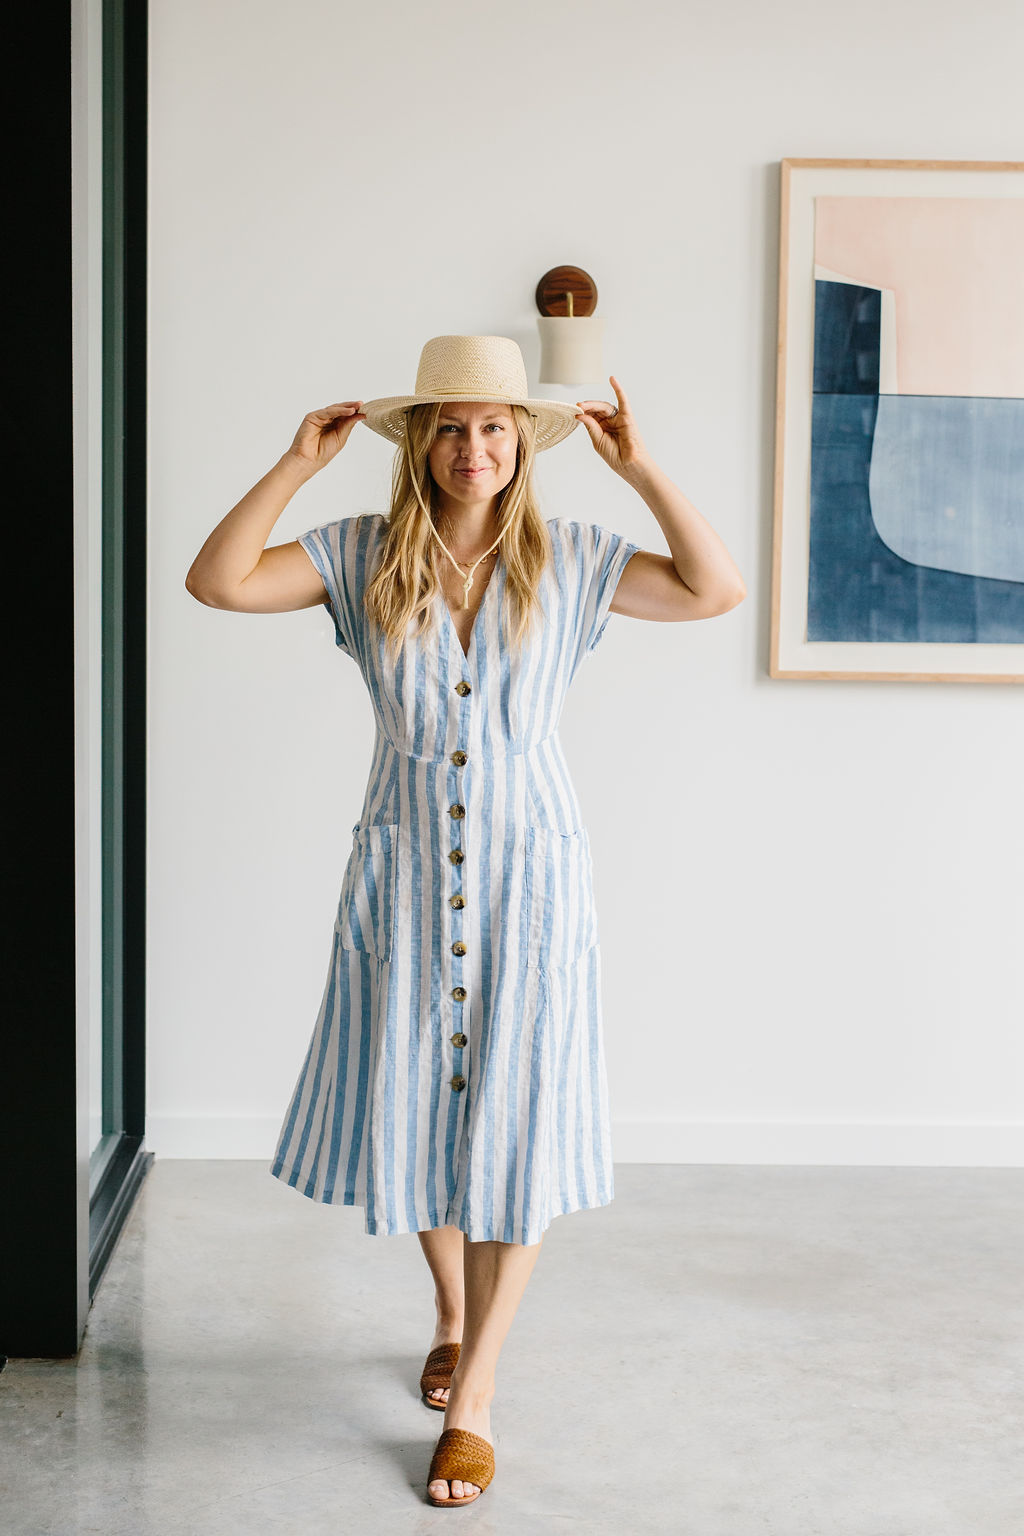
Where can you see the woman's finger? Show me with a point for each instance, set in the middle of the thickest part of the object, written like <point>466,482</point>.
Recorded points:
<point>620,393</point>
<point>596,407</point>
<point>593,430</point>
<point>342,408</point>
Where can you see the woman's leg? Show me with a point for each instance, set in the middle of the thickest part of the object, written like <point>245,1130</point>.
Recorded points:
<point>443,1247</point>
<point>496,1276</point>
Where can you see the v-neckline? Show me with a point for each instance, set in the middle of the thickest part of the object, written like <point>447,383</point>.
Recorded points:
<point>453,634</point>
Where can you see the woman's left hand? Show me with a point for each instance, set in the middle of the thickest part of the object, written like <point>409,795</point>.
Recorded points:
<point>613,432</point>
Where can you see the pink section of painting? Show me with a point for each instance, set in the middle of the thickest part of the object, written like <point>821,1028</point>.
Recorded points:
<point>955,266</point>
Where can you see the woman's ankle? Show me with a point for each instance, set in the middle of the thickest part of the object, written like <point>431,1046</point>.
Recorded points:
<point>472,1391</point>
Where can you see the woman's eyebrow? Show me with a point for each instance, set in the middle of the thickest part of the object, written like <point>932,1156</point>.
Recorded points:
<point>495,416</point>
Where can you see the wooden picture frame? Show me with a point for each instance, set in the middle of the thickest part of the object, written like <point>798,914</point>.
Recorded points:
<point>898,533</point>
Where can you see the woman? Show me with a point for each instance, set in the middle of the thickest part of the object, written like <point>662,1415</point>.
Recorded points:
<point>455,1082</point>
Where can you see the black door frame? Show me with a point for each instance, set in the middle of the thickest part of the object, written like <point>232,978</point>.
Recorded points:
<point>58,1233</point>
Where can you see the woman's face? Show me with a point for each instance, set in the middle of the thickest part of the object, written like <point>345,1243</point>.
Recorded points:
<point>473,456</point>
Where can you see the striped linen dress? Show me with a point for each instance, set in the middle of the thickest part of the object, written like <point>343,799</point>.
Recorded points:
<point>456,1073</point>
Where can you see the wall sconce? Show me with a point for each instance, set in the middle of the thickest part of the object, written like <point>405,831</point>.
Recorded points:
<point>571,335</point>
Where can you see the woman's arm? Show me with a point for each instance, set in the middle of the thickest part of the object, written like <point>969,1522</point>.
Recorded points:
<point>233,569</point>
<point>279,579</point>
<point>700,579</point>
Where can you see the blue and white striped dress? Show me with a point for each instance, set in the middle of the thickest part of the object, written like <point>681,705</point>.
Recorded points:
<point>456,1074</point>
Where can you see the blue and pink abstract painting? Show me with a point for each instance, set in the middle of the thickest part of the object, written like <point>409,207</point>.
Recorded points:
<point>917,439</point>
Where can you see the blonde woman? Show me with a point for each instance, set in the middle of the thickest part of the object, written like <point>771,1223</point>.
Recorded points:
<point>455,1085</point>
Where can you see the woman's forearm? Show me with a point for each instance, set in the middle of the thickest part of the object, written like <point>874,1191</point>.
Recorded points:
<point>233,549</point>
<point>701,560</point>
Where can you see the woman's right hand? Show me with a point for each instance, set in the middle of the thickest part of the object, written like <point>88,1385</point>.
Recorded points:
<point>325,433</point>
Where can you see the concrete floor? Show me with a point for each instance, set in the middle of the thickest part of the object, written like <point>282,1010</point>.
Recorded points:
<point>722,1351</point>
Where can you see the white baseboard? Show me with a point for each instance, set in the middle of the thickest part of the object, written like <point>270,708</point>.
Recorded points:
<point>212,1136</point>
<point>851,1143</point>
<point>952,1144</point>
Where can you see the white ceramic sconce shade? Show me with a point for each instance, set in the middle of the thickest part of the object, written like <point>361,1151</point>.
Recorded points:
<point>571,351</point>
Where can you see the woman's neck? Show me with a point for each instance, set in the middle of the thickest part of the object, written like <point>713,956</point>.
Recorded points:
<point>471,529</point>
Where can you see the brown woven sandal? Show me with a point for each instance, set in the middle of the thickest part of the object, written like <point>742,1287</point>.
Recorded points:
<point>438,1372</point>
<point>460,1453</point>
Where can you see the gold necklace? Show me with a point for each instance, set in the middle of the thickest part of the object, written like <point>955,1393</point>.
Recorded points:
<point>467,581</point>
<point>486,554</point>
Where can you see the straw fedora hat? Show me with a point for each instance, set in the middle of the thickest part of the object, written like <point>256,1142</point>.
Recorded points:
<point>472,368</point>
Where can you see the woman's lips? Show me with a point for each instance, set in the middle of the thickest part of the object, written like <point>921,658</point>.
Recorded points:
<point>471,474</point>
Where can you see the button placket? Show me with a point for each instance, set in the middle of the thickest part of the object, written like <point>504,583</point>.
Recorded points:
<point>457,900</point>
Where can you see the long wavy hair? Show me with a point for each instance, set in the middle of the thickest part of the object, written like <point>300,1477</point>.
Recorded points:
<point>407,578</point>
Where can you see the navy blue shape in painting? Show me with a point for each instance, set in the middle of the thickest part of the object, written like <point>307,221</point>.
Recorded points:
<point>858,588</point>
<point>847,331</point>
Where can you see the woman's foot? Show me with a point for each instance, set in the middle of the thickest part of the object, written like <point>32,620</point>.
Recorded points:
<point>449,1332</point>
<point>468,1408</point>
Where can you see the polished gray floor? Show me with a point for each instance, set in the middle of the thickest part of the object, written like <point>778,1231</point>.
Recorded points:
<point>722,1351</point>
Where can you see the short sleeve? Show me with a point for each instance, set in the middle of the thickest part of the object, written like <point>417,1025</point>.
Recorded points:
<point>599,556</point>
<point>332,548</point>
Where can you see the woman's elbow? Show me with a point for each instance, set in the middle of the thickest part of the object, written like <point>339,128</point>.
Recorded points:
<point>194,587</point>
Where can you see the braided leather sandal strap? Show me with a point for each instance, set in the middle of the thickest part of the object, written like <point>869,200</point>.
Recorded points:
<point>460,1453</point>
<point>440,1363</point>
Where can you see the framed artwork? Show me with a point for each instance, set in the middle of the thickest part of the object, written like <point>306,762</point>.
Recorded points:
<point>898,543</point>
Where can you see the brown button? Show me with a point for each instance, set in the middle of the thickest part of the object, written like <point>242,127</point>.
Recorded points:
<point>458,1081</point>
<point>457,901</point>
<point>460,1040</point>
<point>456,811</point>
<point>463,688</point>
<point>459,759</point>
<point>460,994</point>
<point>456,855</point>
<point>458,948</point>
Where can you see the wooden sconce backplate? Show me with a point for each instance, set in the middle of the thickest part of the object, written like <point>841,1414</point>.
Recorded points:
<point>554,285</point>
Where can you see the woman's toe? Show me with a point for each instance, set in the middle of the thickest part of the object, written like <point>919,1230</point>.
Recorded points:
<point>459,1489</point>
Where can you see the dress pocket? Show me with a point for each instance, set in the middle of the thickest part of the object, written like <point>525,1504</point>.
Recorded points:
<point>561,917</point>
<point>366,909</point>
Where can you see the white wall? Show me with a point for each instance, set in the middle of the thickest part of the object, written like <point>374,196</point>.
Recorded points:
<point>809,892</point>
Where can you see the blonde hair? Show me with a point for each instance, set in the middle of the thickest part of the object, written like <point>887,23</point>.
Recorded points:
<point>407,578</point>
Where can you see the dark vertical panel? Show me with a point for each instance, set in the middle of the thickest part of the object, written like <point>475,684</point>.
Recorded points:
<point>40,1261</point>
<point>56,1240</point>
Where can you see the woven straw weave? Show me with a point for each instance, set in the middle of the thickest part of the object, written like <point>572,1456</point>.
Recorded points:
<point>472,368</point>
<point>460,1453</point>
<point>441,1361</point>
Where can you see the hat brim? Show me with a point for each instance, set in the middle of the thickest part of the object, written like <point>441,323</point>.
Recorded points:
<point>555,418</point>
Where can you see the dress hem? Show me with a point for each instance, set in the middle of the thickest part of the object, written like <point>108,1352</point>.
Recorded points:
<point>374,1228</point>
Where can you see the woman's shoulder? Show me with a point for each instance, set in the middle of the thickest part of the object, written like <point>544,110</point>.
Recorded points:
<point>578,538</point>
<point>571,530</point>
<point>352,535</point>
<point>566,532</point>
<point>357,520</point>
